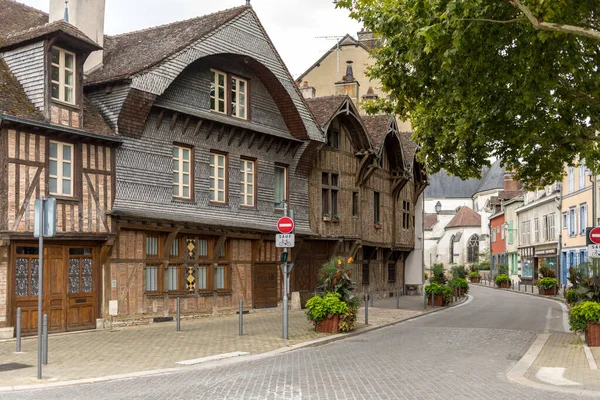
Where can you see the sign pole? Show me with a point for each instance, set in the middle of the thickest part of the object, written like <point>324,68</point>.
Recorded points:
<point>285,284</point>
<point>40,285</point>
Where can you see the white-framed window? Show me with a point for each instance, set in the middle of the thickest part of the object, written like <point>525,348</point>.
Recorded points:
<point>551,226</point>
<point>536,228</point>
<point>182,176</point>
<point>565,219</point>
<point>63,75</point>
<point>151,278</point>
<point>493,235</point>
<point>582,219</point>
<point>247,183</point>
<point>502,232</point>
<point>280,185</point>
<point>572,222</point>
<point>571,175</point>
<point>218,91</point>
<point>220,277</point>
<point>526,232</point>
<point>217,173</point>
<point>582,175</point>
<point>239,97</point>
<point>60,168</point>
<point>172,278</point>
<point>202,278</point>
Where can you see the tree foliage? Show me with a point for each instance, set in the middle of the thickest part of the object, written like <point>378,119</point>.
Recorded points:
<point>511,79</point>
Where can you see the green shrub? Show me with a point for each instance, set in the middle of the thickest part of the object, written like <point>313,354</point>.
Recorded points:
<point>460,283</point>
<point>334,276</point>
<point>438,274</point>
<point>436,289</point>
<point>502,269</point>
<point>474,274</point>
<point>546,271</point>
<point>572,296</point>
<point>547,283</point>
<point>459,272</point>
<point>348,319</point>
<point>502,278</point>
<point>582,313</point>
<point>318,308</point>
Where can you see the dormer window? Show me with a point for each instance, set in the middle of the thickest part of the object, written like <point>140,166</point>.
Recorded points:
<point>63,75</point>
<point>228,94</point>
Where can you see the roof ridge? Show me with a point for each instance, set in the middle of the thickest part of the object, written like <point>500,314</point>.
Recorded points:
<point>175,22</point>
<point>30,7</point>
<point>34,28</point>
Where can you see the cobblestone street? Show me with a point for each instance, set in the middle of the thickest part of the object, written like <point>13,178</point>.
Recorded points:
<point>460,353</point>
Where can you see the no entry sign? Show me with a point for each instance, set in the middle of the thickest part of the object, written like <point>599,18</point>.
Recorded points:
<point>593,235</point>
<point>285,225</point>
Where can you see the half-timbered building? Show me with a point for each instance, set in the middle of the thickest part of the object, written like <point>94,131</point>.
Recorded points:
<point>53,143</point>
<point>365,193</point>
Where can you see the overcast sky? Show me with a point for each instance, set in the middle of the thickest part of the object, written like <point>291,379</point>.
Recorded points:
<point>293,25</point>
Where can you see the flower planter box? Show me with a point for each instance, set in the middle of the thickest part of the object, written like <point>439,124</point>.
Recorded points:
<point>592,334</point>
<point>548,292</point>
<point>438,300</point>
<point>475,280</point>
<point>504,285</point>
<point>378,226</point>
<point>326,219</point>
<point>335,220</point>
<point>329,324</point>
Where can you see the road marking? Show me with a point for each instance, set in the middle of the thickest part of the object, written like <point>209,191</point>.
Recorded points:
<point>548,320</point>
<point>555,376</point>
<point>212,358</point>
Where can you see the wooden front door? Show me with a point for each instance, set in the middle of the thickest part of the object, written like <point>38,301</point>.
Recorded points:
<point>265,285</point>
<point>70,299</point>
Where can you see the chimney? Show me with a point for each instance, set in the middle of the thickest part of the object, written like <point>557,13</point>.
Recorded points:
<point>364,36</point>
<point>510,184</point>
<point>348,85</point>
<point>88,17</point>
<point>308,92</point>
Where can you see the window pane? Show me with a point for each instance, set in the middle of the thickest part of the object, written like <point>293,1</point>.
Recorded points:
<point>221,106</point>
<point>221,161</point>
<point>186,192</point>
<point>220,277</point>
<point>186,154</point>
<point>53,167</point>
<point>175,177</point>
<point>55,56</point>
<point>242,88</point>
<point>221,196</point>
<point>279,184</point>
<point>203,248</point>
<point>151,279</point>
<point>55,91</point>
<point>186,179</point>
<point>66,153</point>
<point>186,166</point>
<point>221,80</point>
<point>53,185</point>
<point>68,95</point>
<point>212,100</point>
<point>53,150</point>
<point>66,187</point>
<point>66,169</point>
<point>172,278</point>
<point>221,185</point>
<point>55,73</point>
<point>175,190</point>
<point>68,61</point>
<point>201,279</point>
<point>242,112</point>
<point>69,78</point>
<point>250,200</point>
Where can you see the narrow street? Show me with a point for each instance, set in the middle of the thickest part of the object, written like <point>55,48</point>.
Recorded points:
<point>460,353</point>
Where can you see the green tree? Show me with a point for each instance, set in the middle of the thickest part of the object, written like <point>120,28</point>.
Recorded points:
<point>513,79</point>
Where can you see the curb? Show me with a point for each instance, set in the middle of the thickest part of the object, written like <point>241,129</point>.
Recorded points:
<point>311,343</point>
<point>560,300</point>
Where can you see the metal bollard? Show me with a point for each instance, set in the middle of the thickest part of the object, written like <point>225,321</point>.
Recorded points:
<point>178,314</point>
<point>554,290</point>
<point>19,330</point>
<point>367,310</point>
<point>241,317</point>
<point>519,286</point>
<point>531,287</point>
<point>397,299</point>
<point>432,300</point>
<point>424,299</point>
<point>45,340</point>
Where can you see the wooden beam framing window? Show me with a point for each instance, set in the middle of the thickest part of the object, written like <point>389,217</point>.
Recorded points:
<point>182,172</point>
<point>406,214</point>
<point>281,182</point>
<point>333,135</point>
<point>218,178</point>
<point>218,91</point>
<point>330,188</point>
<point>355,204</point>
<point>248,183</point>
<point>63,75</point>
<point>60,165</point>
<point>239,98</point>
<point>376,208</point>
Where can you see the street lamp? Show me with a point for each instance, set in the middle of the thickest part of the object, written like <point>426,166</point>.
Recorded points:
<point>438,207</point>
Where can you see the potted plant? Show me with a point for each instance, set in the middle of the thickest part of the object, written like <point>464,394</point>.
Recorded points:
<point>475,277</point>
<point>378,225</point>
<point>325,312</point>
<point>503,281</point>
<point>335,218</point>
<point>461,284</point>
<point>441,294</point>
<point>572,297</point>
<point>547,286</point>
<point>585,317</point>
<point>326,217</point>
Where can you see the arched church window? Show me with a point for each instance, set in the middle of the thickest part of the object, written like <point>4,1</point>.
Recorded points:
<point>473,249</point>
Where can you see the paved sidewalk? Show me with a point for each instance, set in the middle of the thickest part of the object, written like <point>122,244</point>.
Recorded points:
<point>562,362</point>
<point>526,289</point>
<point>127,350</point>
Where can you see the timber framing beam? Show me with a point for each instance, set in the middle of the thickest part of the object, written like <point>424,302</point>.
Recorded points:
<point>242,137</point>
<point>354,249</point>
<point>186,123</point>
<point>217,250</point>
<point>169,242</point>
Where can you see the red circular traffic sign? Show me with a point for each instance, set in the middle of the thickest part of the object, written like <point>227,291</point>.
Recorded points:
<point>285,225</point>
<point>595,235</point>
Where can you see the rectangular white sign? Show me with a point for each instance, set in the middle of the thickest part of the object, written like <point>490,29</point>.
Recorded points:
<point>593,250</point>
<point>285,240</point>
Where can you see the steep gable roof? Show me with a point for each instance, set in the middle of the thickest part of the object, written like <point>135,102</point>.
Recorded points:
<point>377,127</point>
<point>133,52</point>
<point>17,17</point>
<point>42,31</point>
<point>324,108</point>
<point>492,178</point>
<point>13,100</point>
<point>465,217</point>
<point>429,220</point>
<point>408,146</point>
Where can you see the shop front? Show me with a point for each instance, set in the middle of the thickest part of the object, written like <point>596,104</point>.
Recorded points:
<point>547,257</point>
<point>528,266</point>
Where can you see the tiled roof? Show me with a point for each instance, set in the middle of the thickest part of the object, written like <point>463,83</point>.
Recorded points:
<point>43,30</point>
<point>13,100</point>
<point>93,121</point>
<point>511,194</point>
<point>408,146</point>
<point>465,217</point>
<point>442,185</point>
<point>429,221</point>
<point>377,128</point>
<point>16,17</point>
<point>324,108</point>
<point>130,53</point>
<point>492,178</point>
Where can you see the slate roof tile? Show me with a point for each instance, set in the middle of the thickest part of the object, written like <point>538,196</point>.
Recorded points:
<point>41,31</point>
<point>13,100</point>
<point>17,17</point>
<point>324,108</point>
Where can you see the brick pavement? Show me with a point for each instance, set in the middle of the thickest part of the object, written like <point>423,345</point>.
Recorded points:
<point>126,350</point>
